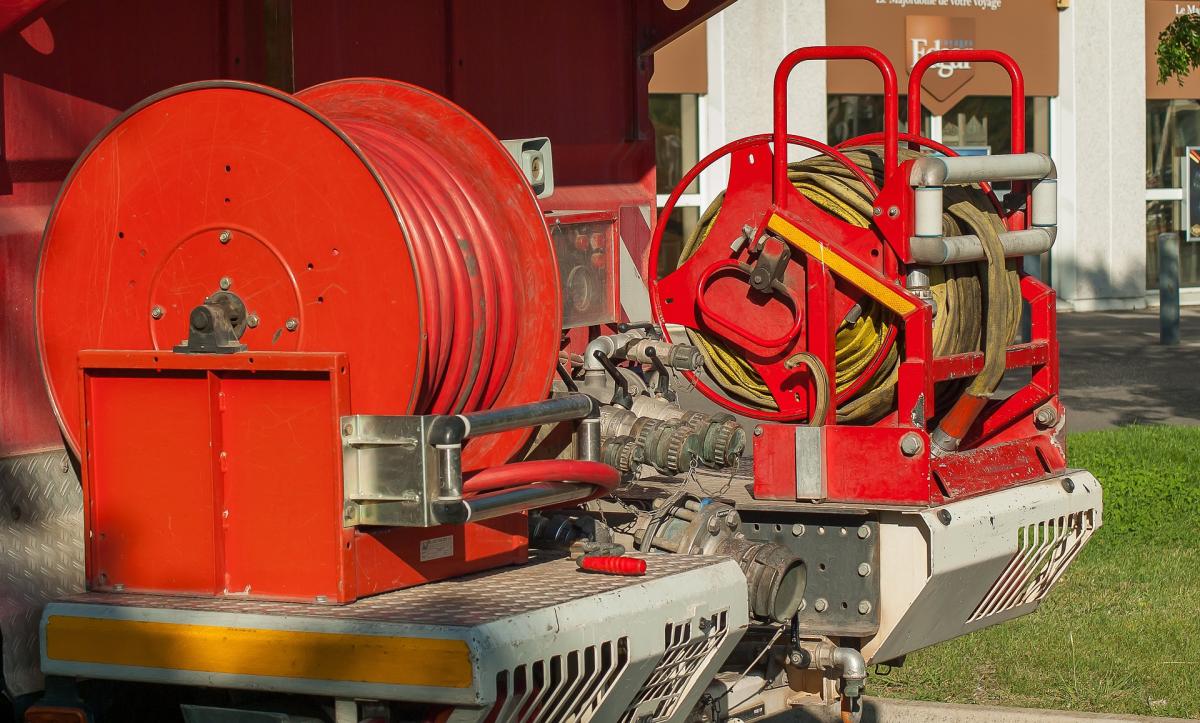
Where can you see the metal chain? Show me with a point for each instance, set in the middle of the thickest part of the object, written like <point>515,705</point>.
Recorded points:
<point>724,488</point>
<point>770,644</point>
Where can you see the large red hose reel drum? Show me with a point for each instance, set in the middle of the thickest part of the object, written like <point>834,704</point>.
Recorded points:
<point>364,216</point>
<point>377,251</point>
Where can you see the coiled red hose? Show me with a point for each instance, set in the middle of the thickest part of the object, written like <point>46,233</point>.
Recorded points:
<point>465,270</point>
<point>604,478</point>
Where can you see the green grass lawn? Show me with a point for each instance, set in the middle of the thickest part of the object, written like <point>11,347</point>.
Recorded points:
<point>1121,631</point>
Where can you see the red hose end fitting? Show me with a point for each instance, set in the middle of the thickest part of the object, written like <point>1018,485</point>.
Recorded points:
<point>609,565</point>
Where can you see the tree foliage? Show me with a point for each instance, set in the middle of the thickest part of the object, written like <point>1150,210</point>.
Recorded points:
<point>1179,48</point>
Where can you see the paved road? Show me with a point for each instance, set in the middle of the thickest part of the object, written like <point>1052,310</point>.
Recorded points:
<point>1115,373</point>
<point>884,710</point>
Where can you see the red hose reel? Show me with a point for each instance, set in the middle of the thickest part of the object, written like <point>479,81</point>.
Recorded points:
<point>775,277</point>
<point>363,216</point>
<point>708,292</point>
<point>377,251</point>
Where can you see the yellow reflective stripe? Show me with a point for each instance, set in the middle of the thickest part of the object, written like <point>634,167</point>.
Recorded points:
<point>271,653</point>
<point>884,293</point>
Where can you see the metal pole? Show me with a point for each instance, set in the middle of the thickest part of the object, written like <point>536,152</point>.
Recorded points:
<point>527,497</point>
<point>562,409</point>
<point>1168,288</point>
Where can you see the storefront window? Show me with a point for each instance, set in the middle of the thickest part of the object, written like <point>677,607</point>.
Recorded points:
<point>676,137</point>
<point>979,123</point>
<point>851,116</point>
<point>1171,126</point>
<point>677,149</point>
<point>984,124</point>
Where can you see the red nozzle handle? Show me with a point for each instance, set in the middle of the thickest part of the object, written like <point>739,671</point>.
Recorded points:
<point>612,565</point>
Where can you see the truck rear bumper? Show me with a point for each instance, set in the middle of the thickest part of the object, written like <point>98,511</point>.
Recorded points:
<point>950,570</point>
<point>544,635</point>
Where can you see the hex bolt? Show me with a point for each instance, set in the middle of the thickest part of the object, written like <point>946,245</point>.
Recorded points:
<point>347,430</point>
<point>157,312</point>
<point>225,237</point>
<point>944,516</point>
<point>864,569</point>
<point>911,444</point>
<point>820,605</point>
<point>714,525</point>
<point>797,530</point>
<point>758,431</point>
<point>893,211</point>
<point>733,519</point>
<point>864,607</point>
<point>877,211</point>
<point>820,530</point>
<point>225,283</point>
<point>1068,484</point>
<point>252,320</point>
<point>864,532</point>
<point>1047,416</point>
<point>292,324</point>
<point>795,658</point>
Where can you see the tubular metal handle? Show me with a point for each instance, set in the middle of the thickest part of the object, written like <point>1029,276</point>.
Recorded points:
<point>891,106</point>
<point>974,56</point>
<point>454,509</point>
<point>561,409</point>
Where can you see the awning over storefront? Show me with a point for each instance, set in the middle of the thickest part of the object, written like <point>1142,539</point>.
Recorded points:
<point>682,66</point>
<point>1159,14</point>
<point>907,29</point>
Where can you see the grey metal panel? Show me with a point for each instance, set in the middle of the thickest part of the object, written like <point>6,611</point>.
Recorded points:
<point>41,554</point>
<point>835,549</point>
<point>810,463</point>
<point>494,595</point>
<point>511,619</point>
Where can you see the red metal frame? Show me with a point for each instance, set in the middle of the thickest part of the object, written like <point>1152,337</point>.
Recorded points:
<point>221,474</point>
<point>863,463</point>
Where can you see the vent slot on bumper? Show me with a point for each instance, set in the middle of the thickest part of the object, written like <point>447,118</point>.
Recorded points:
<point>685,655</point>
<point>1044,550</point>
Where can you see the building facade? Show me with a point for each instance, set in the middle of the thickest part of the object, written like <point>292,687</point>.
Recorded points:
<point>1120,139</point>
